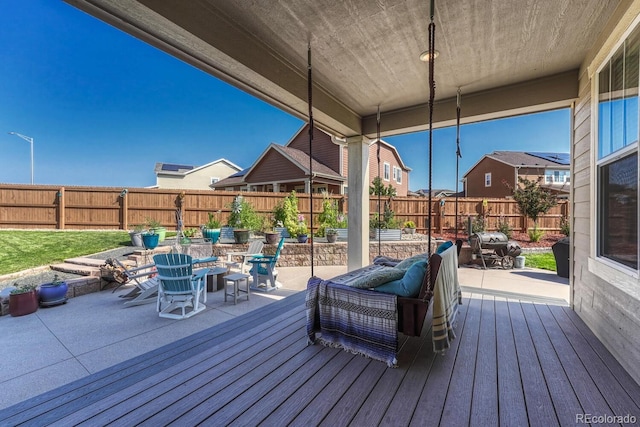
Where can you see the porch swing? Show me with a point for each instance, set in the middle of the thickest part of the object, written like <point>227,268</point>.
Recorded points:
<point>345,312</point>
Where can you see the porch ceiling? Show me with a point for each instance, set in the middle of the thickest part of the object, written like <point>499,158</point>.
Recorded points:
<point>507,56</point>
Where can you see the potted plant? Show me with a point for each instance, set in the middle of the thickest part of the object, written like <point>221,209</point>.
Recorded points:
<point>243,218</point>
<point>331,234</point>
<point>156,227</point>
<point>211,229</point>
<point>136,235</point>
<point>150,239</point>
<point>23,300</point>
<point>271,236</point>
<point>409,227</point>
<point>53,293</point>
<point>301,231</point>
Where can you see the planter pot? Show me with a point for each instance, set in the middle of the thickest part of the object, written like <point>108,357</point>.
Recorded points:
<point>386,234</point>
<point>409,230</point>
<point>343,233</point>
<point>331,238</point>
<point>283,232</point>
<point>302,238</point>
<point>212,234</point>
<point>136,238</point>
<point>150,241</point>
<point>21,304</point>
<point>161,232</point>
<point>272,238</point>
<point>241,236</point>
<point>53,294</point>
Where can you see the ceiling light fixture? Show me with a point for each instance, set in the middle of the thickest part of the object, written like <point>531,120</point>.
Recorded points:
<point>425,57</point>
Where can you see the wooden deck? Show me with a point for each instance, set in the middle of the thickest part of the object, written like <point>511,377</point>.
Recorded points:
<point>512,364</point>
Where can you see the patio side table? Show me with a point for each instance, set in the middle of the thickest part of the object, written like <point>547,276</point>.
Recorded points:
<point>235,280</point>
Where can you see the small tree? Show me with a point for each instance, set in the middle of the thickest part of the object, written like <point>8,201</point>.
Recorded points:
<point>533,201</point>
<point>378,188</point>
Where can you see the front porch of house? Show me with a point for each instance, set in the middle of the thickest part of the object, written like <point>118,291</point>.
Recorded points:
<point>512,363</point>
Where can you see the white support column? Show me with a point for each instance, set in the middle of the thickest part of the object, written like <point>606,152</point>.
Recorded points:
<point>307,187</point>
<point>358,203</point>
<point>276,187</point>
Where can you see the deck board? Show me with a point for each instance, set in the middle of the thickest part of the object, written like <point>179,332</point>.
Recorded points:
<point>484,404</point>
<point>512,363</point>
<point>513,410</point>
<point>562,394</point>
<point>536,394</point>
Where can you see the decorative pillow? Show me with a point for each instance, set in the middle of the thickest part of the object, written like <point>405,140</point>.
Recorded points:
<point>383,260</point>
<point>408,262</point>
<point>371,279</point>
<point>409,285</point>
<point>444,246</point>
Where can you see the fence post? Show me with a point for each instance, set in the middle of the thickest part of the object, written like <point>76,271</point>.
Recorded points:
<point>124,209</point>
<point>61,213</point>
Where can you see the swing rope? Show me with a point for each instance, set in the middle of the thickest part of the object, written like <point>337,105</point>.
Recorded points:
<point>310,102</point>
<point>458,156</point>
<point>379,182</point>
<point>432,95</point>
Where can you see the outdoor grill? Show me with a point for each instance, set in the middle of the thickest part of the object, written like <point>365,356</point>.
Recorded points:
<point>493,247</point>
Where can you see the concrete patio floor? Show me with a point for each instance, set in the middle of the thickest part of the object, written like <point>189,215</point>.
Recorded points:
<point>58,345</point>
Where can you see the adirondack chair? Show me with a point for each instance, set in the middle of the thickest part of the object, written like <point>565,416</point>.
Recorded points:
<point>254,250</point>
<point>178,287</point>
<point>143,278</point>
<point>264,271</point>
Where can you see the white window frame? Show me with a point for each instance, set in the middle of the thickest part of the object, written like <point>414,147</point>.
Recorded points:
<point>398,175</point>
<point>213,179</point>
<point>386,171</point>
<point>619,275</point>
<point>487,179</point>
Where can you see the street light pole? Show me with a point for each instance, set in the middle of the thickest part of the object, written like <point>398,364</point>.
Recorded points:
<point>30,141</point>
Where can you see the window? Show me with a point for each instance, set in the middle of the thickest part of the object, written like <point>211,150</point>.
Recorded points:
<point>617,164</point>
<point>487,179</point>
<point>214,180</point>
<point>556,176</point>
<point>397,175</point>
<point>387,171</point>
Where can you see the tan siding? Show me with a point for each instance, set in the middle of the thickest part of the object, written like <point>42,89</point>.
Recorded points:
<point>609,312</point>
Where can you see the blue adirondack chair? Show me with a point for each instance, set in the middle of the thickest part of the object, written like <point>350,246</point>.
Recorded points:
<point>264,271</point>
<point>178,287</point>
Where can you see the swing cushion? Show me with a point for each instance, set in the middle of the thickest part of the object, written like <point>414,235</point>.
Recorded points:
<point>409,285</point>
<point>406,263</point>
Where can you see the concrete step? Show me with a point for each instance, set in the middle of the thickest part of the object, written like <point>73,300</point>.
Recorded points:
<point>91,262</point>
<point>81,270</point>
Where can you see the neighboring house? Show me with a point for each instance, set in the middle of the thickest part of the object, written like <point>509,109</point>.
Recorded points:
<point>437,193</point>
<point>286,168</point>
<point>490,176</point>
<point>169,175</point>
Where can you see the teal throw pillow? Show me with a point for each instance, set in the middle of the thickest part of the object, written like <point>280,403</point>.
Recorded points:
<point>444,246</point>
<point>409,285</point>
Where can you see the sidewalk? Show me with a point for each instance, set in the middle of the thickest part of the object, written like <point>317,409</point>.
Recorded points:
<point>57,345</point>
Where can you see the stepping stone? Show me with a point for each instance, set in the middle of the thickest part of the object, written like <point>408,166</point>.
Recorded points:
<point>81,270</point>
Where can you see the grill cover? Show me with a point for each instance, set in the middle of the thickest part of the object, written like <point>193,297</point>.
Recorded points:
<point>488,240</point>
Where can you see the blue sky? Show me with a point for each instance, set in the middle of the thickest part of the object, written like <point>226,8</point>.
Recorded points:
<point>103,108</point>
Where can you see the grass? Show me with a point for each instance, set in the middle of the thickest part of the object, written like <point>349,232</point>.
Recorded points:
<point>544,260</point>
<point>23,249</point>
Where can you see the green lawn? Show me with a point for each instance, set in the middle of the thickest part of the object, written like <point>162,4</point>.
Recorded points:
<point>23,249</point>
<point>544,260</point>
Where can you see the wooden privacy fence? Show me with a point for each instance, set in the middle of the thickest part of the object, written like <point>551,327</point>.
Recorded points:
<point>111,208</point>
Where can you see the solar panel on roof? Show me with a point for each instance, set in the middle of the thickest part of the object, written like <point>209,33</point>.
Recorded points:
<point>561,158</point>
<point>174,168</point>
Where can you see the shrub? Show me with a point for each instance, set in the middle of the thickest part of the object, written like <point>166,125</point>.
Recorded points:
<point>534,234</point>
<point>504,227</point>
<point>243,215</point>
<point>565,226</point>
